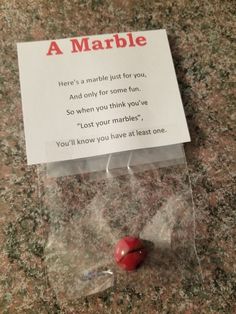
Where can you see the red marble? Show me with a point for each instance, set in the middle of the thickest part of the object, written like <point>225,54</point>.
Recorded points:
<point>130,252</point>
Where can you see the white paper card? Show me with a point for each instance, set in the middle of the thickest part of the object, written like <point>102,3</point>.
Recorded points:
<point>101,94</point>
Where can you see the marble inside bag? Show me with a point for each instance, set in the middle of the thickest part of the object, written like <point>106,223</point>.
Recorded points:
<point>89,216</point>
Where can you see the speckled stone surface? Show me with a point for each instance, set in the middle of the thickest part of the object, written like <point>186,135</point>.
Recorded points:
<point>201,38</point>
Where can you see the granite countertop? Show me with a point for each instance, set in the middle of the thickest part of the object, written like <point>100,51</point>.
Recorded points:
<point>201,40</point>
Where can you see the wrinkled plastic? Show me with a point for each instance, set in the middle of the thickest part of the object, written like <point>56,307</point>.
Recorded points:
<point>89,214</point>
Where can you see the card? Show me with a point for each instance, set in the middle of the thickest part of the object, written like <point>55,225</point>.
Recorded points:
<point>101,94</point>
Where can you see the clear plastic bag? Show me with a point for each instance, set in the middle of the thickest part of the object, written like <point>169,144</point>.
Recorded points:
<point>91,210</point>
